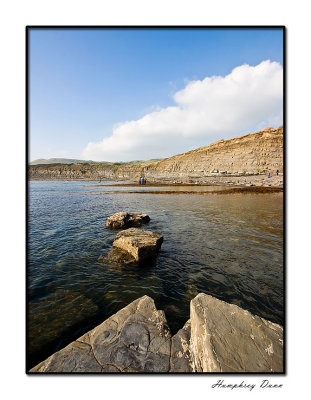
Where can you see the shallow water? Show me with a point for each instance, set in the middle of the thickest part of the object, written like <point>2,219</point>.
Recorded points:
<point>228,245</point>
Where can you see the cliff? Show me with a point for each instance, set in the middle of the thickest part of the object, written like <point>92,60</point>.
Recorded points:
<point>107,171</point>
<point>255,153</point>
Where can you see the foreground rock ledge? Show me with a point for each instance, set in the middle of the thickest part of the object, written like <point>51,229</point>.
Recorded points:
<point>226,338</point>
<point>135,339</point>
<point>219,337</point>
<point>123,220</point>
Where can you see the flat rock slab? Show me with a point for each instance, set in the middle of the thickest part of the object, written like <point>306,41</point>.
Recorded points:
<point>226,338</point>
<point>141,245</point>
<point>124,220</point>
<point>135,339</point>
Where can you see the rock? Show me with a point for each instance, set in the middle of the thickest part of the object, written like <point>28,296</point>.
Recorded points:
<point>226,338</point>
<point>118,257</point>
<point>123,220</point>
<point>141,245</point>
<point>181,358</point>
<point>219,337</point>
<point>56,312</point>
<point>76,357</point>
<point>135,339</point>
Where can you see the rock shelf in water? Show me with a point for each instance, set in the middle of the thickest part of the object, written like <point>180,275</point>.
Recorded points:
<point>123,220</point>
<point>219,337</point>
<point>133,246</point>
<point>140,244</point>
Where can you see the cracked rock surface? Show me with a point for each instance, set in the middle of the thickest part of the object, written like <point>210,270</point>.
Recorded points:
<point>123,220</point>
<point>180,350</point>
<point>226,338</point>
<point>135,339</point>
<point>219,337</point>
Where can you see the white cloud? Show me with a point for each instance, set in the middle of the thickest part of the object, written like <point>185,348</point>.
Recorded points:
<point>217,107</point>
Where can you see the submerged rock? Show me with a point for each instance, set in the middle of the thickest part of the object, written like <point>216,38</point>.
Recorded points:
<point>123,220</point>
<point>52,315</point>
<point>118,257</point>
<point>226,338</point>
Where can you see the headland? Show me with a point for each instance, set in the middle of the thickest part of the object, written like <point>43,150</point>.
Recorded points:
<point>255,159</point>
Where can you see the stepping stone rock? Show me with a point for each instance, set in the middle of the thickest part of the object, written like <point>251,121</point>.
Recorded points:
<point>141,245</point>
<point>123,220</point>
<point>226,338</point>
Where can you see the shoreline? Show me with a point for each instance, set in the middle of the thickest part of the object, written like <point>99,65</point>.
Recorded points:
<point>239,190</point>
<point>258,181</point>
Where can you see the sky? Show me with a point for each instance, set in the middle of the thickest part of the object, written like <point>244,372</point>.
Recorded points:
<point>137,94</point>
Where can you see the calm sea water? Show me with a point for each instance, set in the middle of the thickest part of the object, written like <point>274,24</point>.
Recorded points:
<point>229,246</point>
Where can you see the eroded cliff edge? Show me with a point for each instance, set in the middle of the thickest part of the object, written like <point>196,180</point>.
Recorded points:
<point>252,154</point>
<point>219,337</point>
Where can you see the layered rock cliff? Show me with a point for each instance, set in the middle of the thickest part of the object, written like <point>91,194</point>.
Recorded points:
<point>255,153</point>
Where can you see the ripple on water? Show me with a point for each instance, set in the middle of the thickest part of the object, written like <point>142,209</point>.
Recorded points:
<point>229,246</point>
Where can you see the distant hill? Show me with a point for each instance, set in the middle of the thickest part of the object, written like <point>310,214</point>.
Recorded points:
<point>63,161</point>
<point>44,161</point>
<point>135,162</point>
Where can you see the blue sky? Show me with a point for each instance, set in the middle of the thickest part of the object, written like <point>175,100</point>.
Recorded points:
<point>86,83</point>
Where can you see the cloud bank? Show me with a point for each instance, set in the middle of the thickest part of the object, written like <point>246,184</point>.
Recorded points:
<point>248,99</point>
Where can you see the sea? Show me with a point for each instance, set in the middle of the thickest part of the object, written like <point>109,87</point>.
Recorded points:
<point>226,245</point>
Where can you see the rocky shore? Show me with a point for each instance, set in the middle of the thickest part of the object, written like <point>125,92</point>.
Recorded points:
<point>219,337</point>
<point>242,161</point>
<point>190,191</point>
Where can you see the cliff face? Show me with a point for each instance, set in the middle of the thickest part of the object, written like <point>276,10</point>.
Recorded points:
<point>256,153</point>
